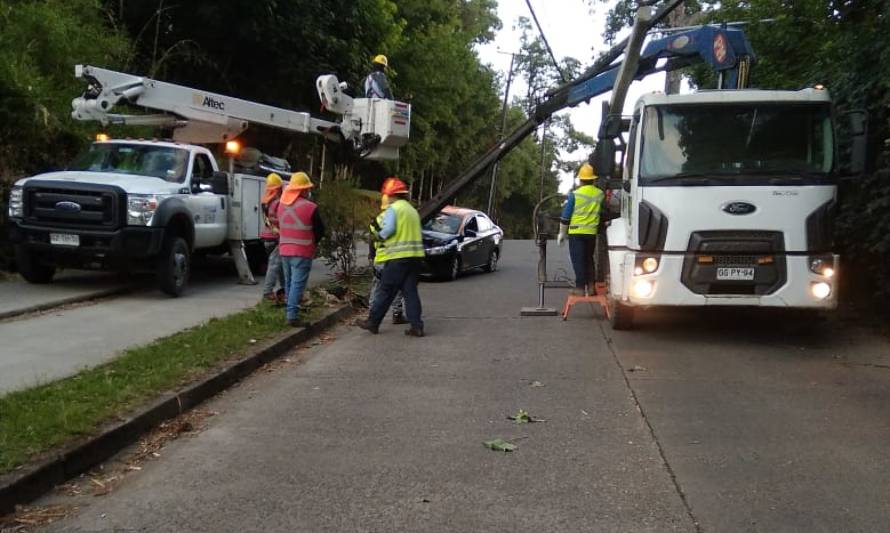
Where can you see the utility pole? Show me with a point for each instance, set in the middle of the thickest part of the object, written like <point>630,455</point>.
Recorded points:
<point>543,160</point>
<point>494,168</point>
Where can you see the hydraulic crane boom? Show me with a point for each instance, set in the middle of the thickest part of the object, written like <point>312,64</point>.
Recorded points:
<point>375,128</point>
<point>726,50</point>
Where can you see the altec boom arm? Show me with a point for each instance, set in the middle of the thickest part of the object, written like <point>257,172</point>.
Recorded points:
<point>726,50</point>
<point>376,128</point>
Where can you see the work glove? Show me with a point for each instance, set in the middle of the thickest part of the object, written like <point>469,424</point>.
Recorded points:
<point>563,233</point>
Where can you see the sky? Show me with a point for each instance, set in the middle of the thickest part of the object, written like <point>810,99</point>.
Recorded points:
<point>573,28</point>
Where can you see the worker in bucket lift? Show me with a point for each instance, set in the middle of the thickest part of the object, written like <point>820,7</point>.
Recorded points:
<point>300,228</point>
<point>377,246</point>
<point>402,257</point>
<point>376,84</point>
<point>269,236</point>
<point>580,222</point>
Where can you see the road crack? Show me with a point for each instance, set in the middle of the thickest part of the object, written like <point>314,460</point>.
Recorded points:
<point>667,465</point>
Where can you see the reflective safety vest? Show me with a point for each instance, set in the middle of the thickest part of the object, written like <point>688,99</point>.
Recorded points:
<point>296,237</point>
<point>407,241</point>
<point>270,221</point>
<point>379,246</point>
<point>586,214</point>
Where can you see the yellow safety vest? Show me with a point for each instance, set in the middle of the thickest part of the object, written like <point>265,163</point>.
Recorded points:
<point>407,241</point>
<point>586,214</point>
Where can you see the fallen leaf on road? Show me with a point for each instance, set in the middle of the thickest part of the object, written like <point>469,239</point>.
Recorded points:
<point>536,384</point>
<point>522,417</point>
<point>35,516</point>
<point>499,445</point>
<point>637,368</point>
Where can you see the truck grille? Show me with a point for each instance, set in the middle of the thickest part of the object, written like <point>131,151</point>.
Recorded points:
<point>73,206</point>
<point>740,249</point>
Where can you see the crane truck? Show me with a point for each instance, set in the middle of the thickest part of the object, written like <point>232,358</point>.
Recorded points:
<point>727,196</point>
<point>139,205</point>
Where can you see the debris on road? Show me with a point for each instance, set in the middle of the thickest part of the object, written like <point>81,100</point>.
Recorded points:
<point>522,417</point>
<point>637,368</point>
<point>35,516</point>
<point>499,445</point>
<point>536,383</point>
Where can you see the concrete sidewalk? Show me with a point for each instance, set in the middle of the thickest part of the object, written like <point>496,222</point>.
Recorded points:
<point>17,295</point>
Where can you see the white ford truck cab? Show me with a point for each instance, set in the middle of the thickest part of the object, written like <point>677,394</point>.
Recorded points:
<point>130,205</point>
<point>728,200</point>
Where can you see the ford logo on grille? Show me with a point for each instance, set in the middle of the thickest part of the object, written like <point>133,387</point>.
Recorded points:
<point>68,207</point>
<point>739,208</point>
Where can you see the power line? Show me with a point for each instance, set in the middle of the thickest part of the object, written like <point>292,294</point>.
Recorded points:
<point>546,44</point>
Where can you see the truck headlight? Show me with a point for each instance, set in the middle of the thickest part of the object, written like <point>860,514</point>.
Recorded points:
<point>16,202</point>
<point>141,208</point>
<point>645,265</point>
<point>822,265</point>
<point>442,250</point>
<point>820,290</point>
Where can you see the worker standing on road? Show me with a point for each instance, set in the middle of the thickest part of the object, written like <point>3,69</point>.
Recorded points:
<point>401,255</point>
<point>377,248</point>
<point>580,219</point>
<point>269,235</point>
<point>300,228</point>
<point>376,84</point>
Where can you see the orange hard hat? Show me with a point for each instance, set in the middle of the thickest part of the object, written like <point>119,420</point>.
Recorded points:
<point>393,185</point>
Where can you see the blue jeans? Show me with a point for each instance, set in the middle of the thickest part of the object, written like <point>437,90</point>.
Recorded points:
<point>274,272</point>
<point>399,275</point>
<point>581,250</point>
<point>296,274</point>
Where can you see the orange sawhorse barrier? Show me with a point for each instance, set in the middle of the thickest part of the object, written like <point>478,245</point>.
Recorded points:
<point>598,298</point>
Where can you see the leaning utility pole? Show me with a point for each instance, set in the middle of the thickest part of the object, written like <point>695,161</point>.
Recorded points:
<point>494,168</point>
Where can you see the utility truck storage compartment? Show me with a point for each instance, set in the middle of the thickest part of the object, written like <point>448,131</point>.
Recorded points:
<point>245,216</point>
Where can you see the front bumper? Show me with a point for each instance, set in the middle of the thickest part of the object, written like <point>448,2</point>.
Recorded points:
<point>438,264</point>
<point>667,287</point>
<point>129,242</point>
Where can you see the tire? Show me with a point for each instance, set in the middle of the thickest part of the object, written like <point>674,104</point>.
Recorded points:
<point>601,258</point>
<point>621,316</point>
<point>453,270</point>
<point>257,259</point>
<point>32,268</point>
<point>174,266</point>
<point>492,264</point>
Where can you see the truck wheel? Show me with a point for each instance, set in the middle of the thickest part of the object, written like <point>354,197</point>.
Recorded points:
<point>174,266</point>
<point>32,268</point>
<point>257,259</point>
<point>620,316</point>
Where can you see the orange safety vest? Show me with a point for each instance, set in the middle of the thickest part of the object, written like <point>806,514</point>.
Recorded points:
<point>270,221</point>
<point>296,238</point>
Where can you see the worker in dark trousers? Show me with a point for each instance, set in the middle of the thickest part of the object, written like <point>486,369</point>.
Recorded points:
<point>269,235</point>
<point>377,246</point>
<point>376,83</point>
<point>402,259</point>
<point>580,221</point>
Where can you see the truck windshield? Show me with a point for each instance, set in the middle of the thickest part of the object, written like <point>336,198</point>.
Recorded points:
<point>737,144</point>
<point>163,162</point>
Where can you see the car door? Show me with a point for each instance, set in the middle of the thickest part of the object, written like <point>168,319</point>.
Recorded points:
<point>471,248</point>
<point>487,237</point>
<point>208,209</point>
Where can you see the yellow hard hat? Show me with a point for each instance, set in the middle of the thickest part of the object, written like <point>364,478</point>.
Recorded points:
<point>300,181</point>
<point>586,172</point>
<point>273,180</point>
<point>381,59</point>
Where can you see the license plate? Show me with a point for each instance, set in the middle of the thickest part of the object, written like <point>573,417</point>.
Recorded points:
<point>64,239</point>
<point>735,273</point>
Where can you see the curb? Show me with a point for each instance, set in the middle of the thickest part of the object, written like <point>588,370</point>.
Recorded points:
<point>36,480</point>
<point>65,301</point>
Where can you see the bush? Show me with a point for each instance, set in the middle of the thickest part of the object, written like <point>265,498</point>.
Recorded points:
<point>347,213</point>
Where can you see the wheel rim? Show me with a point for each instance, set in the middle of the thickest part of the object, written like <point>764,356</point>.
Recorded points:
<point>455,267</point>
<point>493,261</point>
<point>180,268</point>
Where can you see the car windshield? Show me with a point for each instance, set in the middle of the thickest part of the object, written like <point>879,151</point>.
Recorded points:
<point>444,223</point>
<point>163,162</point>
<point>734,142</point>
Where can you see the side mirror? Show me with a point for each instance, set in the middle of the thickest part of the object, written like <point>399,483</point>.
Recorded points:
<point>603,159</point>
<point>857,151</point>
<point>470,232</point>
<point>219,183</point>
<point>196,184</point>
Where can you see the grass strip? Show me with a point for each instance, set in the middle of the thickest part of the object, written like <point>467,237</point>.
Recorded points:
<point>36,420</point>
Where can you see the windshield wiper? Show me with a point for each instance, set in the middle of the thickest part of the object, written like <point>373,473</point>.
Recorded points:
<point>685,178</point>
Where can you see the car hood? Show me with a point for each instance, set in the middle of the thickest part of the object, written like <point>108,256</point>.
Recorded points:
<point>130,183</point>
<point>434,238</point>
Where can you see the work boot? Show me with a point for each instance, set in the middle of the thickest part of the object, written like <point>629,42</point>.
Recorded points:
<point>367,325</point>
<point>280,298</point>
<point>298,323</point>
<point>414,332</point>
<point>270,297</point>
<point>399,318</point>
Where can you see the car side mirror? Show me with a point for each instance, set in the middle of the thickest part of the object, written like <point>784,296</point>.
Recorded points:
<point>856,151</point>
<point>219,183</point>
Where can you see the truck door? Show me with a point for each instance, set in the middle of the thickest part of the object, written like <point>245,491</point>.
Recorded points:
<point>208,209</point>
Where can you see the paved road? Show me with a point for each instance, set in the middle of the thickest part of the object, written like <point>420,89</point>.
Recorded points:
<point>59,343</point>
<point>697,422</point>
